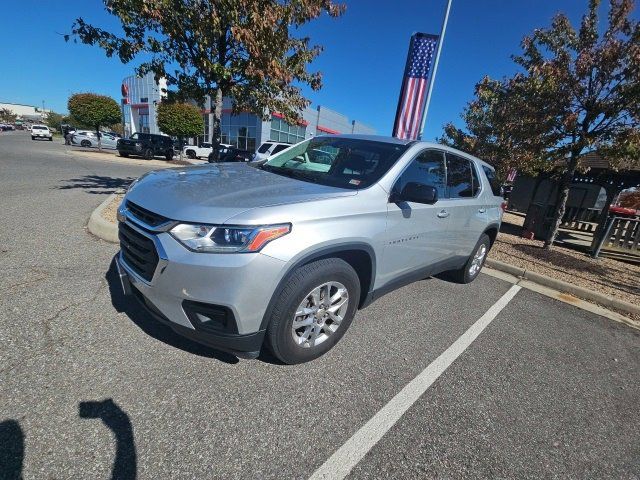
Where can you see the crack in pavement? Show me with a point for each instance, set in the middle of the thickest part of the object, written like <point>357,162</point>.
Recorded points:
<point>47,324</point>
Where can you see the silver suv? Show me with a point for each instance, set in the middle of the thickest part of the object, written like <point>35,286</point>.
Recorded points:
<point>234,256</point>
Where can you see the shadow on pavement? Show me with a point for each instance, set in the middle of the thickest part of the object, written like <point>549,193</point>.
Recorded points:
<point>116,420</point>
<point>11,450</point>
<point>132,308</point>
<point>97,184</point>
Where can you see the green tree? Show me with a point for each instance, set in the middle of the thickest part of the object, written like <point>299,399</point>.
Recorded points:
<point>245,49</point>
<point>7,116</point>
<point>578,91</point>
<point>54,120</point>
<point>95,110</point>
<point>180,120</point>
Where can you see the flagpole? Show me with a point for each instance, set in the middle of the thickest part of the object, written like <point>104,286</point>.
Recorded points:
<point>435,69</point>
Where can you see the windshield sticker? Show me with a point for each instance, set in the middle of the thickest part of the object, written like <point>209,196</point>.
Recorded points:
<point>353,181</point>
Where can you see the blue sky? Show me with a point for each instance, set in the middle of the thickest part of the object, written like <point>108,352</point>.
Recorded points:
<point>362,64</point>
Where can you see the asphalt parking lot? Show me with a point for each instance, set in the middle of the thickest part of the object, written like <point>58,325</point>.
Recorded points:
<point>434,380</point>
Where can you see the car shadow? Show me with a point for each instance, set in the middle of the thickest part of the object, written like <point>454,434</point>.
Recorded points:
<point>97,184</point>
<point>116,420</point>
<point>130,306</point>
<point>11,450</point>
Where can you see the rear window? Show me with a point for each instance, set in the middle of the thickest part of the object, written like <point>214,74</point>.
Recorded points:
<point>264,147</point>
<point>493,181</point>
<point>36,127</point>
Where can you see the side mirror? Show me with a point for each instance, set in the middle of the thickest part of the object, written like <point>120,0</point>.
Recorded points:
<point>416,192</point>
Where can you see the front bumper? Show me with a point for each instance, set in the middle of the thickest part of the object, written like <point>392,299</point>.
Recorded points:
<point>241,284</point>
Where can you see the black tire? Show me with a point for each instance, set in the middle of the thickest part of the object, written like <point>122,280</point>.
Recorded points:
<point>191,154</point>
<point>85,143</point>
<point>148,154</point>
<point>302,281</point>
<point>464,275</point>
<point>51,139</point>
<point>123,154</point>
<point>32,137</point>
<point>169,155</point>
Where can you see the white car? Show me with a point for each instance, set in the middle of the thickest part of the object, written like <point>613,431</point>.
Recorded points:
<point>268,149</point>
<point>90,139</point>
<point>41,131</point>
<point>203,151</point>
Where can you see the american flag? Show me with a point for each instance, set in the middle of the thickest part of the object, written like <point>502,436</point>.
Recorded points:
<point>414,86</point>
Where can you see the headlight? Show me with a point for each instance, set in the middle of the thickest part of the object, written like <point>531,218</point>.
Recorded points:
<point>222,239</point>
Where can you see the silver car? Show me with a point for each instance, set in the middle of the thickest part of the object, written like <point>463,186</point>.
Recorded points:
<point>234,256</point>
<point>90,139</point>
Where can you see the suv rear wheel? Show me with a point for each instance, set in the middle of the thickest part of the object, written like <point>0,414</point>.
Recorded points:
<point>472,267</point>
<point>169,155</point>
<point>313,311</point>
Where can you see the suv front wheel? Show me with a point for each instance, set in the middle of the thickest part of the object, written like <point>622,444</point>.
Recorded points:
<point>313,311</point>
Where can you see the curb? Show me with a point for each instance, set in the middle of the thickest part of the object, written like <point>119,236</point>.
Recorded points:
<point>563,286</point>
<point>99,226</point>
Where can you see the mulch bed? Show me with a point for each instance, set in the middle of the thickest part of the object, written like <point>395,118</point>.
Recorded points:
<point>605,275</point>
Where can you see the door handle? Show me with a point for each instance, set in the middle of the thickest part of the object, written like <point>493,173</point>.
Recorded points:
<point>482,210</point>
<point>443,214</point>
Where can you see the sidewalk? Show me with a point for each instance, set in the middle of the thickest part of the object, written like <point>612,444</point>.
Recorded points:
<point>112,156</point>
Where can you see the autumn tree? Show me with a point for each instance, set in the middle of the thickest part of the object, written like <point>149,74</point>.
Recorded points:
<point>180,120</point>
<point>487,133</point>
<point>578,91</point>
<point>630,199</point>
<point>95,110</point>
<point>244,49</point>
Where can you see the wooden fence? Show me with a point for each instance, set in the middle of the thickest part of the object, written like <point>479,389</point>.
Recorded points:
<point>621,235</point>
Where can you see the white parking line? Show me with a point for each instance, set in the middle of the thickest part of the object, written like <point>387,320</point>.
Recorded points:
<point>348,455</point>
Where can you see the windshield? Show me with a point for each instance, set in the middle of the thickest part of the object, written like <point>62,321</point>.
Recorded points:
<point>336,161</point>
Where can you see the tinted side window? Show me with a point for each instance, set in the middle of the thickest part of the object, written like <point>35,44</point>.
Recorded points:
<point>427,168</point>
<point>459,180</point>
<point>279,148</point>
<point>264,147</point>
<point>493,181</point>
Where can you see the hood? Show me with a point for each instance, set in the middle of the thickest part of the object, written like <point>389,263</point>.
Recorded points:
<point>213,193</point>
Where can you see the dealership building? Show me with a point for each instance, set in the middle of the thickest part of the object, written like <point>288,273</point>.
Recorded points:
<point>26,112</point>
<point>141,96</point>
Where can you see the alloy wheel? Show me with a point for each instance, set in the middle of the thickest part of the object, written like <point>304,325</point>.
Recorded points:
<point>478,260</point>
<point>320,314</point>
